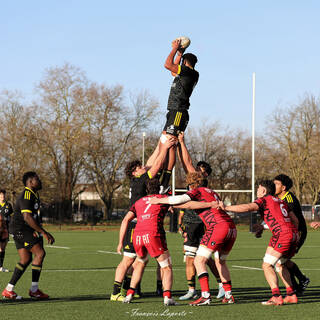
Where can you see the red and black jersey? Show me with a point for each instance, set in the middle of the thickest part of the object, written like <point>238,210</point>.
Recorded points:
<point>275,214</point>
<point>210,217</point>
<point>150,216</point>
<point>27,202</point>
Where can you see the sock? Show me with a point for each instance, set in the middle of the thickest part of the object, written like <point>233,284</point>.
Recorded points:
<point>159,174</point>
<point>218,280</point>
<point>17,273</point>
<point>227,289</point>
<point>204,284</point>
<point>159,285</point>
<point>192,283</point>
<point>167,293</point>
<point>9,287</point>
<point>290,291</point>
<point>293,278</point>
<point>126,282</point>
<point>34,286</point>
<point>36,271</point>
<point>298,273</point>
<point>116,287</point>
<point>2,254</point>
<point>131,291</point>
<point>166,178</point>
<point>276,292</point>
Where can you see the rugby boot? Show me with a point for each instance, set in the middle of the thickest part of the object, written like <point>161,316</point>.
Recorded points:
<point>304,284</point>
<point>273,301</point>
<point>11,295</point>
<point>128,298</point>
<point>189,295</point>
<point>39,295</point>
<point>290,299</point>
<point>221,292</point>
<point>2,269</point>
<point>169,302</point>
<point>228,300</point>
<point>200,302</point>
<point>117,297</point>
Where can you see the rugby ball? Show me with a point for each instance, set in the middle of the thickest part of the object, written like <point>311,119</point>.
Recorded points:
<point>185,42</point>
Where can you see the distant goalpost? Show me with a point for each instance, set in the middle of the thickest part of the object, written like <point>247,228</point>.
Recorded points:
<point>252,190</point>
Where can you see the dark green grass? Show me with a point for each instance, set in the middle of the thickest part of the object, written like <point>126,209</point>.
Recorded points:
<point>79,281</point>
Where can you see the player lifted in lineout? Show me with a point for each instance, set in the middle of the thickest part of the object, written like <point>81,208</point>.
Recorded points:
<point>185,79</point>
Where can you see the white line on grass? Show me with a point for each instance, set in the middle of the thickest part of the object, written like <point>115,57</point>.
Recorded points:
<point>249,268</point>
<point>57,247</point>
<point>101,251</point>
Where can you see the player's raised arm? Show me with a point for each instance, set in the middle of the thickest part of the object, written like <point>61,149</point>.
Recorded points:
<point>170,63</point>
<point>184,155</point>
<point>172,200</point>
<point>124,226</point>
<point>242,207</point>
<point>162,156</point>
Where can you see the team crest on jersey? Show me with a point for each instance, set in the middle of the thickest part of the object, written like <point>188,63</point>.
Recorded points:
<point>213,243</point>
<point>276,199</point>
<point>279,245</point>
<point>36,206</point>
<point>6,210</point>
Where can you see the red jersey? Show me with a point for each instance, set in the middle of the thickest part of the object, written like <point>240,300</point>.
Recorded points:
<point>150,216</point>
<point>275,214</point>
<point>211,216</point>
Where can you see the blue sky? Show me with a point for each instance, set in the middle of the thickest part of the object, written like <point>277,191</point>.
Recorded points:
<point>126,42</point>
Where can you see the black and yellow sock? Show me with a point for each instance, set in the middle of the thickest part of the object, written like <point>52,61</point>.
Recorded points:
<point>116,287</point>
<point>36,271</point>
<point>192,282</point>
<point>126,282</point>
<point>18,272</point>
<point>166,178</point>
<point>2,254</point>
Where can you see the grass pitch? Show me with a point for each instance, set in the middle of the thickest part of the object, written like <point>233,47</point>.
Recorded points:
<point>79,271</point>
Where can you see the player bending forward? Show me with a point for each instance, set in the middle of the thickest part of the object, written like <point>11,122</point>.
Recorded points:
<point>219,237</point>
<point>149,238</point>
<point>282,246</point>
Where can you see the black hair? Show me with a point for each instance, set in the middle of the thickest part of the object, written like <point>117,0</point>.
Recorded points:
<point>28,175</point>
<point>285,180</point>
<point>131,166</point>
<point>269,185</point>
<point>153,186</point>
<point>191,58</point>
<point>3,191</point>
<point>206,166</point>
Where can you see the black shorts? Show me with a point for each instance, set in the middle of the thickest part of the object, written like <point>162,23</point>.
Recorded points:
<point>177,122</point>
<point>26,239</point>
<point>195,232</point>
<point>128,239</point>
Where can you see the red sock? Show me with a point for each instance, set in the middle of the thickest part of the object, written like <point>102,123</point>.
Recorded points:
<point>290,291</point>
<point>167,293</point>
<point>276,292</point>
<point>130,291</point>
<point>227,286</point>
<point>204,282</point>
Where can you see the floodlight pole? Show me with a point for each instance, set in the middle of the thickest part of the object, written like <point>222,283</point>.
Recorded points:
<point>253,131</point>
<point>143,136</point>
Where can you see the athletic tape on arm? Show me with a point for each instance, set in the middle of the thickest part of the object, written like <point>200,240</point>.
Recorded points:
<point>173,200</point>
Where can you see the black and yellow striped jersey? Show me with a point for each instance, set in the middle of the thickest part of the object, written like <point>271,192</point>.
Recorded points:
<point>27,202</point>
<point>294,205</point>
<point>138,187</point>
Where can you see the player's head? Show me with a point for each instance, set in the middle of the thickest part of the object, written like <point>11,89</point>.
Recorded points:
<point>266,187</point>
<point>30,179</point>
<point>195,179</point>
<point>189,58</point>
<point>2,195</point>
<point>134,168</point>
<point>204,167</point>
<point>283,183</point>
<point>153,186</point>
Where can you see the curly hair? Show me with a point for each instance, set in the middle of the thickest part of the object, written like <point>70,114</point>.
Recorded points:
<point>285,180</point>
<point>131,166</point>
<point>195,179</point>
<point>153,186</point>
